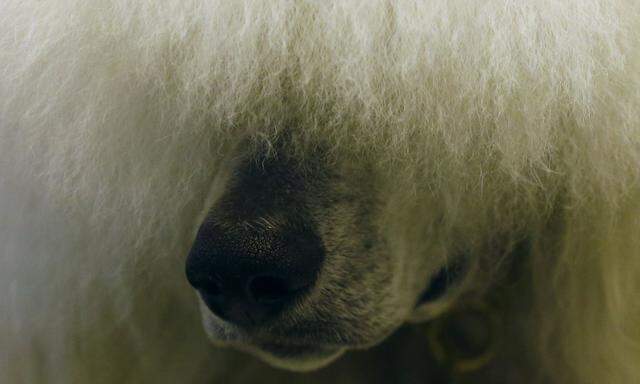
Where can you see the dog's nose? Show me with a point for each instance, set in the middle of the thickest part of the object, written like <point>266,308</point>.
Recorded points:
<point>249,273</point>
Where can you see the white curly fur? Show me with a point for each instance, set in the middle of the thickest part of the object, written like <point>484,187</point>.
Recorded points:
<point>522,116</point>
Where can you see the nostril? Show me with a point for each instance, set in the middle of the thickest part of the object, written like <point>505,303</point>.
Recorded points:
<point>211,287</point>
<point>206,284</point>
<point>270,289</point>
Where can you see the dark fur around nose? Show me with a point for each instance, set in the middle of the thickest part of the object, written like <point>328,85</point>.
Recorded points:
<point>257,252</point>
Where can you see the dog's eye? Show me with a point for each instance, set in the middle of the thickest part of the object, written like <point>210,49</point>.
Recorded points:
<point>448,276</point>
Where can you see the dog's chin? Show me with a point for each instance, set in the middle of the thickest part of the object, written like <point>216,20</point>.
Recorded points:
<point>297,358</point>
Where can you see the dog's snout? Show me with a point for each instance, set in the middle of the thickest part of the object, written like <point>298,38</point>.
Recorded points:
<point>248,273</point>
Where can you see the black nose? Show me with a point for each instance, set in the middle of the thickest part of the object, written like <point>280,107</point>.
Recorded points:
<point>250,272</point>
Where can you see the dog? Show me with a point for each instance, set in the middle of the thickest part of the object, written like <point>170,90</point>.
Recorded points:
<point>301,180</point>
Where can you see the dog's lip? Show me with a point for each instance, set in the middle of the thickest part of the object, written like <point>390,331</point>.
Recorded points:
<point>285,350</point>
<point>305,337</point>
<point>223,334</point>
<point>298,358</point>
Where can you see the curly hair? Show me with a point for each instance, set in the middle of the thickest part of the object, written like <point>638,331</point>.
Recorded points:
<point>524,117</point>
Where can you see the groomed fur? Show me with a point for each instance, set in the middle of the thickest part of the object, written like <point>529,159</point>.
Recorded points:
<point>522,118</point>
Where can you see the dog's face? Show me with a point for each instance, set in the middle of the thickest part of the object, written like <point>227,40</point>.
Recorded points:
<point>299,258</point>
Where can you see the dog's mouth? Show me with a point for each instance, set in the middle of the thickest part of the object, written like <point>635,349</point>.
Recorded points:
<point>286,350</point>
<point>294,357</point>
<point>292,351</point>
<point>308,356</point>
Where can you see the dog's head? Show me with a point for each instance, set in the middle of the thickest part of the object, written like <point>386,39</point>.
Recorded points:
<point>299,258</point>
